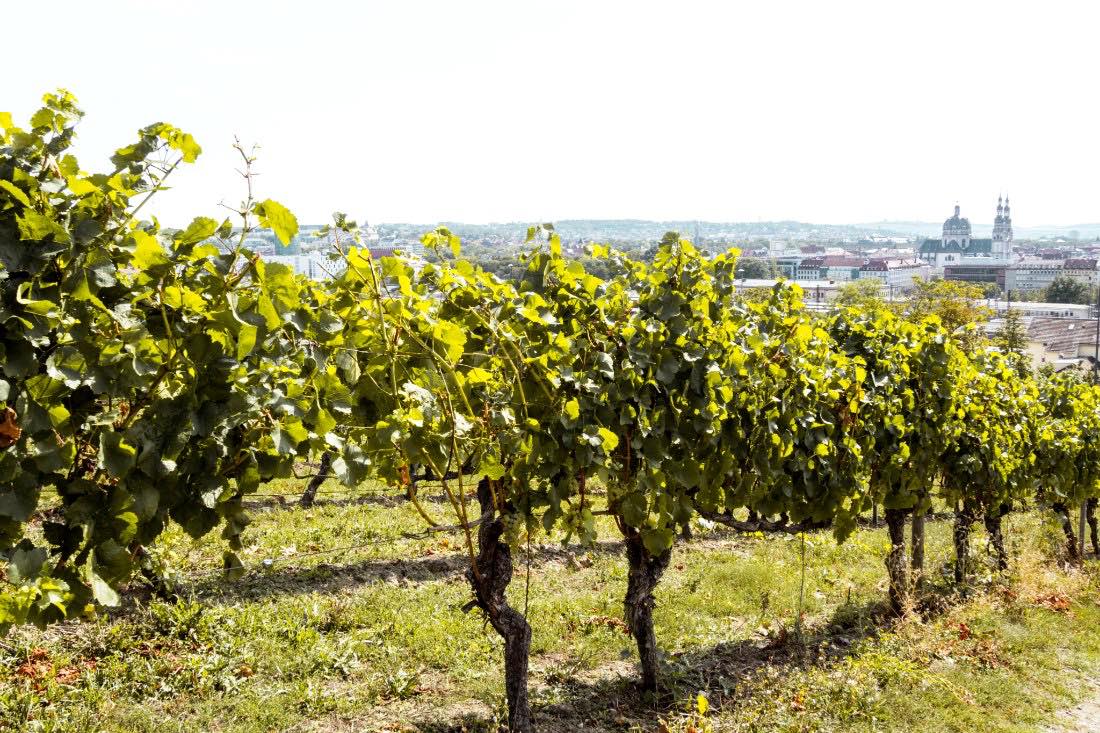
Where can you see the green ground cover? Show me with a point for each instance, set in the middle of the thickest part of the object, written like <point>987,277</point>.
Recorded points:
<point>372,637</point>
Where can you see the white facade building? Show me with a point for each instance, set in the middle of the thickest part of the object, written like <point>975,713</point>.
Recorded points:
<point>315,265</point>
<point>1081,270</point>
<point>1033,275</point>
<point>895,274</point>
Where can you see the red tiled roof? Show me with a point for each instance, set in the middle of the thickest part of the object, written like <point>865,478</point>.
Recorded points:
<point>1079,264</point>
<point>843,261</point>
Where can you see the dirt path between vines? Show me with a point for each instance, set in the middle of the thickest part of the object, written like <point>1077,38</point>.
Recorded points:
<point>1082,718</point>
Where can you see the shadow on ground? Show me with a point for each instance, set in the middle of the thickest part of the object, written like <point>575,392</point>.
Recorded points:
<point>290,502</point>
<point>330,577</point>
<point>613,702</point>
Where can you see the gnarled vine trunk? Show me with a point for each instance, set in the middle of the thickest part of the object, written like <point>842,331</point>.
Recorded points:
<point>489,583</point>
<point>1067,528</point>
<point>916,543</point>
<point>896,565</point>
<point>323,472</point>
<point>1090,509</point>
<point>642,577</point>
<point>965,515</point>
<point>996,535</point>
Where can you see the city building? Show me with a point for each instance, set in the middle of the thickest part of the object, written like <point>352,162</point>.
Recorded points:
<point>1081,269</point>
<point>841,268</point>
<point>1062,342</point>
<point>977,270</point>
<point>1031,276</point>
<point>894,274</point>
<point>315,265</point>
<point>1063,311</point>
<point>813,291</point>
<point>810,268</point>
<point>957,243</point>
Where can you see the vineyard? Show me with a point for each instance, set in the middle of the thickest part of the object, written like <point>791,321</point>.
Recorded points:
<point>161,390</point>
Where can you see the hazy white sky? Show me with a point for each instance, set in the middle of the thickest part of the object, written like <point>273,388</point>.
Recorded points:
<point>495,111</point>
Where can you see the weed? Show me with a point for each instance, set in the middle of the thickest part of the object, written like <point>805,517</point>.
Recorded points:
<point>375,639</point>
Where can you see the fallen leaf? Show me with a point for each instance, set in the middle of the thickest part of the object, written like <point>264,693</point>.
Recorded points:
<point>1057,602</point>
<point>9,430</point>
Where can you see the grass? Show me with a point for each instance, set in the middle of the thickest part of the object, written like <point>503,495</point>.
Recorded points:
<point>372,637</point>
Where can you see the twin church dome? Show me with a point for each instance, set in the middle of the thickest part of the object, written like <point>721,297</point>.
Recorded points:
<point>958,241</point>
<point>960,226</point>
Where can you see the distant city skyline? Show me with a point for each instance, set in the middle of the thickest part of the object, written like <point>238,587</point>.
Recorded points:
<point>831,113</point>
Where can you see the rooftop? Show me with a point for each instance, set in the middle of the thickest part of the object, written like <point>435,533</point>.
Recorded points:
<point>1062,335</point>
<point>1080,264</point>
<point>931,246</point>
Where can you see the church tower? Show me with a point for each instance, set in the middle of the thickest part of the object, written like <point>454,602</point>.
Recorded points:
<point>1002,231</point>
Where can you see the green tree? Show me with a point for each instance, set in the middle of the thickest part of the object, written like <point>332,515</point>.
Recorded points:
<point>1066,289</point>
<point>865,294</point>
<point>954,303</point>
<point>991,290</point>
<point>1012,337</point>
<point>753,268</point>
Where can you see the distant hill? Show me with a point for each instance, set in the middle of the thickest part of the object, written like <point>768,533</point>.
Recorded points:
<point>1073,231</point>
<point>933,229</point>
<point>641,229</point>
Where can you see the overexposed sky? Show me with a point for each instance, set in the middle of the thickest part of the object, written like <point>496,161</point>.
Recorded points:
<point>476,111</point>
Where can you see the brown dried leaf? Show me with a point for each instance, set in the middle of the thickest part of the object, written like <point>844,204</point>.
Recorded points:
<point>9,430</point>
<point>1058,602</point>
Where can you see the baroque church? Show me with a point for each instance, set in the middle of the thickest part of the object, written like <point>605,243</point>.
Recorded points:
<point>957,242</point>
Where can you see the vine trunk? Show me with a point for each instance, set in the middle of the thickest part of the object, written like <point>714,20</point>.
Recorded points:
<point>1090,508</point>
<point>323,472</point>
<point>1067,529</point>
<point>489,583</point>
<point>643,575</point>
<point>916,558</point>
<point>965,516</point>
<point>896,565</point>
<point>996,535</point>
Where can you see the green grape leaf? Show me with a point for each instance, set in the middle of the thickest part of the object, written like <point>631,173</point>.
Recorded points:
<point>278,218</point>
